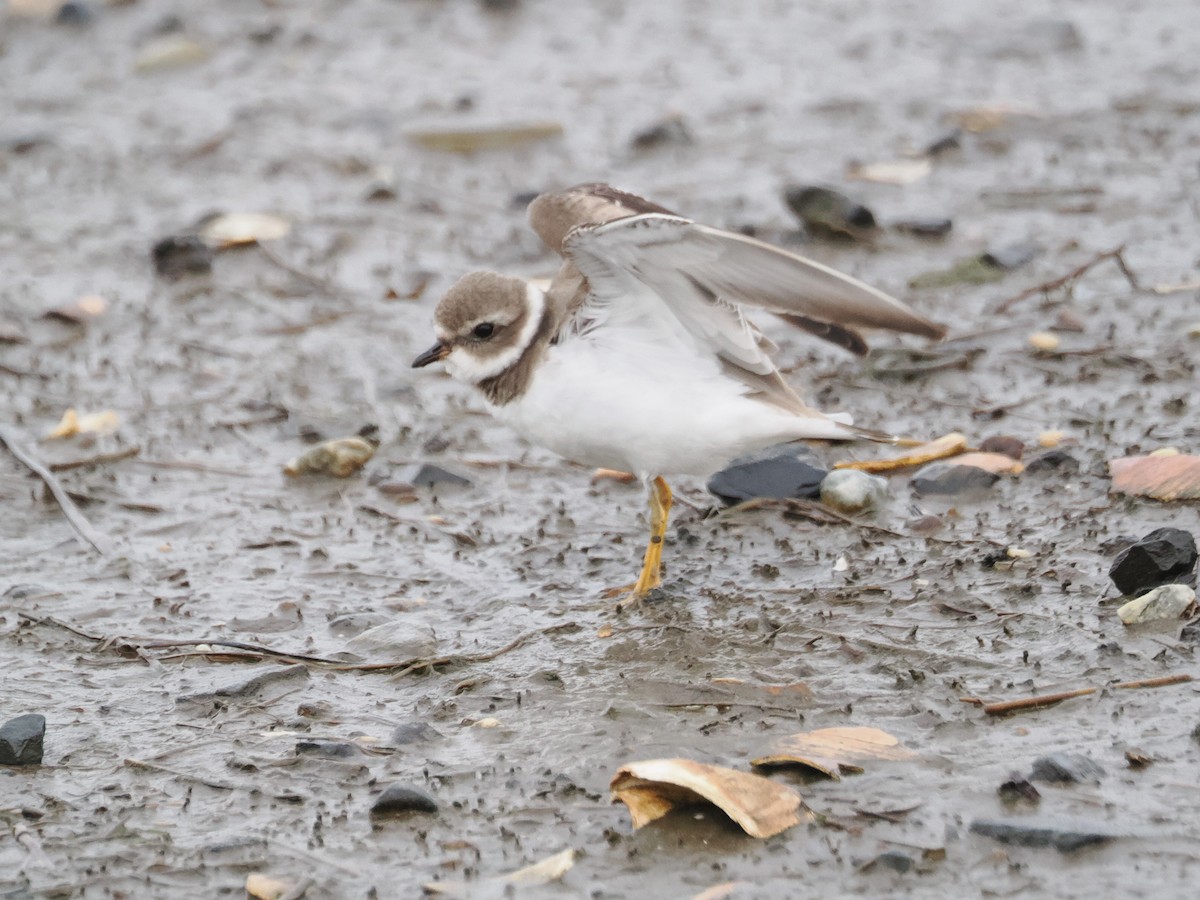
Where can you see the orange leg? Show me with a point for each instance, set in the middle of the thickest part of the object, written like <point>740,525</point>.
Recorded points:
<point>651,574</point>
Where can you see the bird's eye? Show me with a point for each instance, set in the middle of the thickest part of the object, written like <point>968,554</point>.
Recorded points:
<point>484,330</point>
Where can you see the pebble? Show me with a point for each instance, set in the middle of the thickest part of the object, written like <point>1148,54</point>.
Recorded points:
<point>895,860</point>
<point>852,491</point>
<point>21,740</point>
<point>1066,768</point>
<point>826,212</point>
<point>1163,556</point>
<point>930,226</point>
<point>1018,788</point>
<point>180,255</point>
<point>413,733</point>
<point>785,470</point>
<point>429,475</point>
<point>398,799</point>
<point>1012,256</point>
<point>1004,444</point>
<point>1161,604</point>
<point>949,478</point>
<point>1053,461</point>
<point>1037,832</point>
<point>326,749</point>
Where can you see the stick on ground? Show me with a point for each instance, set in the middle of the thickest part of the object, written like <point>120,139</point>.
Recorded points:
<point>99,542</point>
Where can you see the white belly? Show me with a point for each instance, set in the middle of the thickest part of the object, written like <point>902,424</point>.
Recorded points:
<point>646,409</point>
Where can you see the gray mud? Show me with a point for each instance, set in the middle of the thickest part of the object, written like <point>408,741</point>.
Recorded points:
<point>147,792</point>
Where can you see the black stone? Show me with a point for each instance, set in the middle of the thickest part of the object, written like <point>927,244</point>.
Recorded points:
<point>1164,556</point>
<point>925,226</point>
<point>429,475</point>
<point>1066,768</point>
<point>397,799</point>
<point>782,471</point>
<point>180,255</point>
<point>947,478</point>
<point>326,749</point>
<point>826,212</point>
<point>21,740</point>
<point>1062,836</point>
<point>1018,788</point>
<point>74,13</point>
<point>1053,461</point>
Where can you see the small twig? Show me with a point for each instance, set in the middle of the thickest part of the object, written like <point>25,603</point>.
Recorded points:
<point>97,460</point>
<point>300,272</point>
<point>186,776</point>
<point>190,466</point>
<point>1031,703</point>
<point>99,542</point>
<point>1117,254</point>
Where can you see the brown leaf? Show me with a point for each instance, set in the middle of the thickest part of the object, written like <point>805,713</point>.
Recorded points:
<point>1158,477</point>
<point>653,787</point>
<point>834,751</point>
<point>947,445</point>
<point>98,423</point>
<point>548,870</point>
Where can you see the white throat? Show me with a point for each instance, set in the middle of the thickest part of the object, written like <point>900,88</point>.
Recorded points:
<point>465,366</point>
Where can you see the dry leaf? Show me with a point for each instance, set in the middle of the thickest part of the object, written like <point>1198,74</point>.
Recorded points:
<point>653,787</point>
<point>996,463</point>
<point>548,870</point>
<point>990,116</point>
<point>1157,477</point>
<point>1051,439</point>
<point>170,51</point>
<point>947,445</point>
<point>1044,341</point>
<point>485,137</point>
<point>98,423</point>
<point>77,313</point>
<point>1192,284</point>
<point>896,171</point>
<point>834,751</point>
<point>239,229</point>
<point>341,458</point>
<point>721,891</point>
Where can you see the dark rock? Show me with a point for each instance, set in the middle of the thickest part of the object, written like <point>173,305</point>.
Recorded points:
<point>669,131</point>
<point>74,13</point>
<point>326,749</point>
<point>180,255</point>
<point>413,733</point>
<point>398,800</point>
<point>21,740</point>
<point>1062,836</point>
<point>889,859</point>
<point>1013,448</point>
<point>1164,556</point>
<point>924,226</point>
<point>429,475</point>
<point>785,470</point>
<point>825,212</point>
<point>1011,256</point>
<point>1018,788</point>
<point>1066,768</point>
<point>1053,461</point>
<point>947,143</point>
<point>947,478</point>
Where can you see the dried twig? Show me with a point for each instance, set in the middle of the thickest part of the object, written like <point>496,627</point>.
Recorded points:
<point>1117,254</point>
<point>1031,703</point>
<point>97,460</point>
<point>82,526</point>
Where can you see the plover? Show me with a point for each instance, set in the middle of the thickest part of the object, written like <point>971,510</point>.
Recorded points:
<point>639,355</point>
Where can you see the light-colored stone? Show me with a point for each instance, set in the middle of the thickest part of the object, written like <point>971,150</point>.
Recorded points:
<point>1166,602</point>
<point>852,491</point>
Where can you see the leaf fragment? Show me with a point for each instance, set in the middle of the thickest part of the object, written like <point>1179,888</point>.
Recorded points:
<point>652,788</point>
<point>893,171</point>
<point>241,229</point>
<point>947,445</point>
<point>1164,478</point>
<point>834,751</point>
<point>484,137</point>
<point>97,423</point>
<point>543,872</point>
<point>340,458</point>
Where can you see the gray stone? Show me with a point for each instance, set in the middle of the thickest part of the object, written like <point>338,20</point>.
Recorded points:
<point>1066,768</point>
<point>1161,604</point>
<point>399,799</point>
<point>852,491</point>
<point>21,740</point>
<point>786,470</point>
<point>948,478</point>
<point>1063,836</point>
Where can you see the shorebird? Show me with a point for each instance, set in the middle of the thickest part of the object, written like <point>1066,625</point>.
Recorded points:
<point>639,356</point>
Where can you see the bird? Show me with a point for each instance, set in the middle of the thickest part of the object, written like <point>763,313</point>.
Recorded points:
<point>639,355</point>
